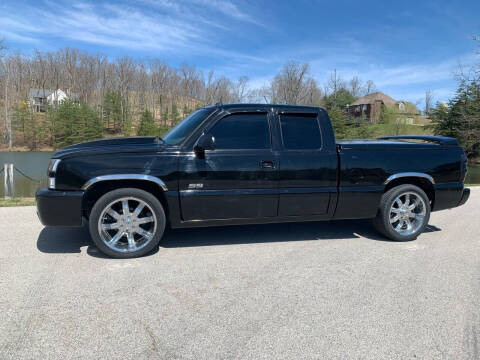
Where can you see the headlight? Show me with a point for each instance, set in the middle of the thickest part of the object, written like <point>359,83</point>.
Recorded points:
<point>52,169</point>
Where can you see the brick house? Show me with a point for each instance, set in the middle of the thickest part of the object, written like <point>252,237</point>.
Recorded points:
<point>369,107</point>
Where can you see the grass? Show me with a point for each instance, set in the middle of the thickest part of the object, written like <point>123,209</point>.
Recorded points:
<point>372,131</point>
<point>17,202</point>
<point>379,130</point>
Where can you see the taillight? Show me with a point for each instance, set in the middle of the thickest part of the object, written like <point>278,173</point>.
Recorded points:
<point>463,167</point>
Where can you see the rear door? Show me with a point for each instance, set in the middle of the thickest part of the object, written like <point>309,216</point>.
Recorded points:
<point>238,179</point>
<point>308,164</point>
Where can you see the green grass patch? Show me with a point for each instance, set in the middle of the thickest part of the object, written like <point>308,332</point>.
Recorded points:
<point>378,130</point>
<point>17,202</point>
<point>372,131</point>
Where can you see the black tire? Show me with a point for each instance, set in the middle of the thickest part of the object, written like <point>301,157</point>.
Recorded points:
<point>154,209</point>
<point>382,221</point>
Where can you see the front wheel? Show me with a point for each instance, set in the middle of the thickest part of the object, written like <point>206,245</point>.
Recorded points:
<point>127,223</point>
<point>404,213</point>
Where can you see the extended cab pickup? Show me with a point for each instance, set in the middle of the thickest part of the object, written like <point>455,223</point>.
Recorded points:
<point>245,164</point>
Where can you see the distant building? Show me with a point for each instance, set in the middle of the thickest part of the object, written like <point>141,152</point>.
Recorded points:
<point>369,107</point>
<point>40,99</point>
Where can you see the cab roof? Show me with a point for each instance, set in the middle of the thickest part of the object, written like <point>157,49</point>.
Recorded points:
<point>281,107</point>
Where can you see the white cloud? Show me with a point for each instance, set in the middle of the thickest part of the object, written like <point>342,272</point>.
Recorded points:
<point>227,8</point>
<point>165,25</point>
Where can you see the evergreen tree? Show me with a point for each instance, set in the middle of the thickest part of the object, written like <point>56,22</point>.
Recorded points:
<point>461,117</point>
<point>19,120</point>
<point>443,122</point>
<point>339,100</point>
<point>31,125</point>
<point>165,118</point>
<point>112,111</point>
<point>186,111</point>
<point>93,127</point>
<point>339,123</point>
<point>72,123</point>
<point>147,125</point>
<point>175,115</point>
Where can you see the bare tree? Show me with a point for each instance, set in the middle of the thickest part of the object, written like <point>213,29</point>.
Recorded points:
<point>369,87</point>
<point>355,86</point>
<point>429,95</point>
<point>124,74</point>
<point>334,84</point>
<point>477,65</point>
<point>5,75</point>
<point>293,85</point>
<point>241,92</point>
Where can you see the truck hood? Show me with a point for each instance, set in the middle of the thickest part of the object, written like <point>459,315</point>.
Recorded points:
<point>125,144</point>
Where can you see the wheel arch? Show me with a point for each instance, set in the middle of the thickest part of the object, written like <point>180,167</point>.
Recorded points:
<point>99,186</point>
<point>423,181</point>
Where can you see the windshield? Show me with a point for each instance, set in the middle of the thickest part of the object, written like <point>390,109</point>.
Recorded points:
<point>180,132</point>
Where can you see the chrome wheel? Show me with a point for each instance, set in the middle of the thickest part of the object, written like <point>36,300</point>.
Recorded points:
<point>407,213</point>
<point>127,224</point>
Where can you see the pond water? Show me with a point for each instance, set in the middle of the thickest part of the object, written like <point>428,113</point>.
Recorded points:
<point>34,165</point>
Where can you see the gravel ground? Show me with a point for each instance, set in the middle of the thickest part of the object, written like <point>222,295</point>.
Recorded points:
<point>314,290</point>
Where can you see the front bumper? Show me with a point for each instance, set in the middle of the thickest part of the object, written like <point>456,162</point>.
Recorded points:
<point>59,208</point>
<point>465,196</point>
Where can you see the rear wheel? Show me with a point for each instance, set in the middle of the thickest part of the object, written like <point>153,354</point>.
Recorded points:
<point>404,213</point>
<point>127,223</point>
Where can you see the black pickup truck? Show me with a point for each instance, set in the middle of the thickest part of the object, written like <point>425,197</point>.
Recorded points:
<point>245,164</point>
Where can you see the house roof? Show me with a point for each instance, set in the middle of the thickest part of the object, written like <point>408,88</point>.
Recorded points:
<point>374,97</point>
<point>33,93</point>
<point>43,93</point>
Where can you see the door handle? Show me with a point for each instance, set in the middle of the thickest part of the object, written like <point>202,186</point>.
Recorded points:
<point>267,164</point>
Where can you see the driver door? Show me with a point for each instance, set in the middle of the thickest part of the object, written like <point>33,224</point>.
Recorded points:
<point>236,180</point>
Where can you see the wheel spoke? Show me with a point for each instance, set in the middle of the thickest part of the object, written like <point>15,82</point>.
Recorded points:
<point>131,240</point>
<point>137,210</point>
<point>394,219</point>
<point>113,214</point>
<point>117,237</point>
<point>407,199</point>
<point>110,226</point>
<point>145,220</point>
<point>395,211</point>
<point>399,202</point>
<point>125,208</point>
<point>146,234</point>
<point>409,224</point>
<point>400,225</point>
<point>414,205</point>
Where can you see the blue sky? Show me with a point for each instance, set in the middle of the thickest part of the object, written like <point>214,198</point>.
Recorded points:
<point>405,47</point>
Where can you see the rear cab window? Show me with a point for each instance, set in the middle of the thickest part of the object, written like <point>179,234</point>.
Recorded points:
<point>300,132</point>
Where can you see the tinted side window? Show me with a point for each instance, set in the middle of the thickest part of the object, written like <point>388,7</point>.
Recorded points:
<point>242,131</point>
<point>300,132</point>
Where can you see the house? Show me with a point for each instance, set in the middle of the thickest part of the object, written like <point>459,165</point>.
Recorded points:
<point>40,99</point>
<point>369,108</point>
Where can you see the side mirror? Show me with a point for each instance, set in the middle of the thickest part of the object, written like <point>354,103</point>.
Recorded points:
<point>206,142</point>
